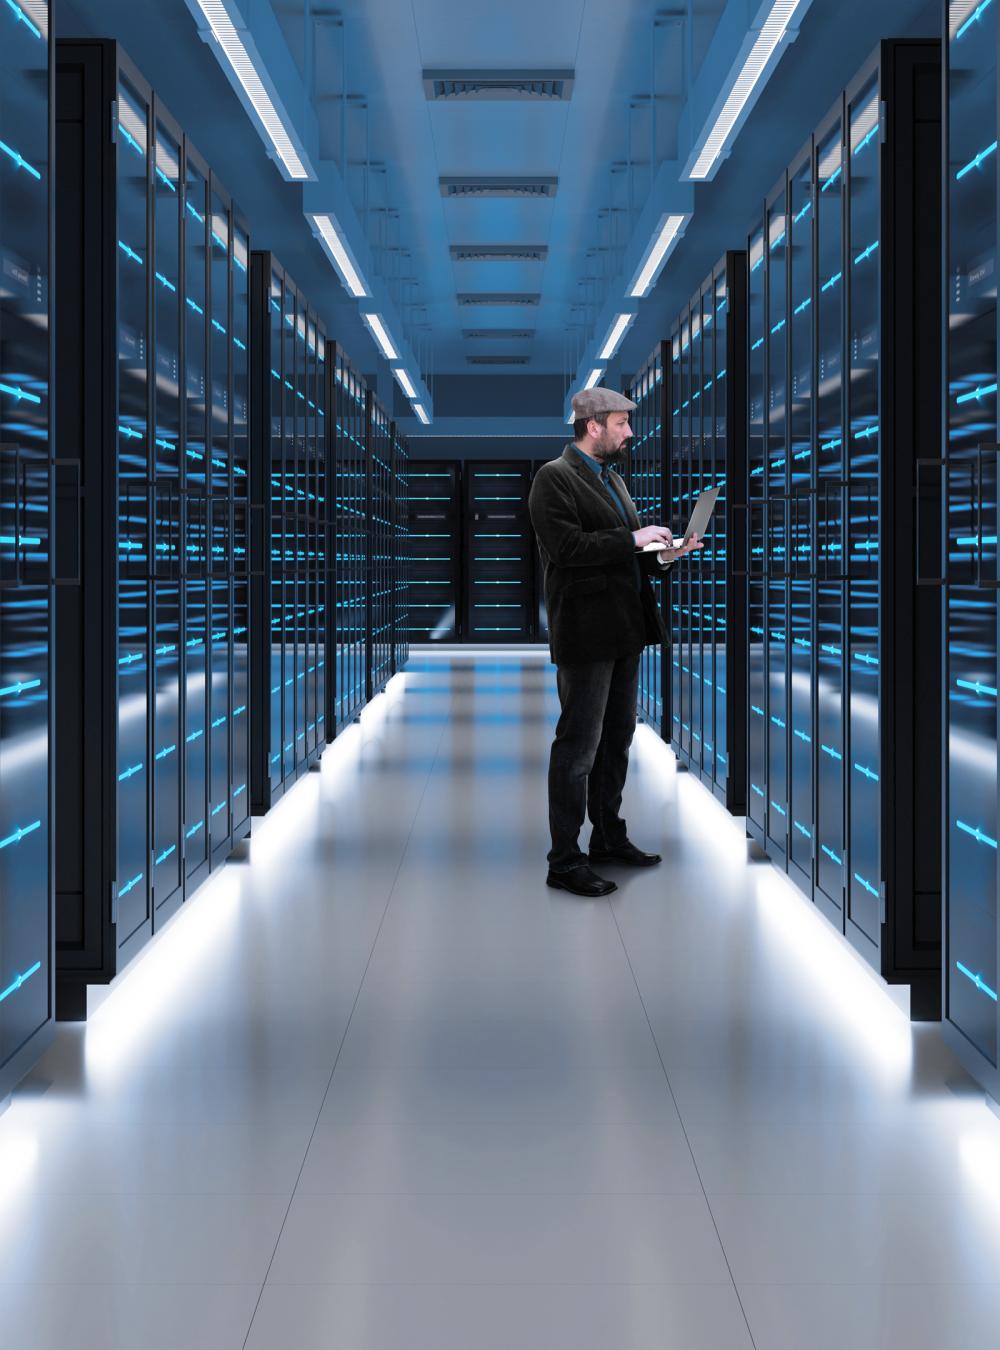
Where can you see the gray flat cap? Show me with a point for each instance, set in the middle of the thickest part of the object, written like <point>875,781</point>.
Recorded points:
<point>590,402</point>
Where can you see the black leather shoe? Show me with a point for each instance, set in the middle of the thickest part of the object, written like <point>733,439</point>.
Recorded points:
<point>626,853</point>
<point>581,881</point>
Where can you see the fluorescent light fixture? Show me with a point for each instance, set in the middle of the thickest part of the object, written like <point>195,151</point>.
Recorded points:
<point>381,336</point>
<point>241,63</point>
<point>594,377</point>
<point>418,408</point>
<point>666,236</point>
<point>615,335</point>
<point>744,86</point>
<point>405,383</point>
<point>335,248</point>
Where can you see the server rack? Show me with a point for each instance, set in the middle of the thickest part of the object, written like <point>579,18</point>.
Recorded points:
<point>647,477</point>
<point>844,687</point>
<point>434,550</point>
<point>153,690</point>
<point>288,480</point>
<point>968,522</point>
<point>542,616</point>
<point>347,489</point>
<point>400,566</point>
<point>706,364</point>
<point>381,545</point>
<point>499,553</point>
<point>26,861</point>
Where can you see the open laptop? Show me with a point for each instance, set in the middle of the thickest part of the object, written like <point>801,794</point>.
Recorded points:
<point>698,523</point>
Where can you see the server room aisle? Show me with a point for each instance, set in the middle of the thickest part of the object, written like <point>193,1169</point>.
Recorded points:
<point>379,1088</point>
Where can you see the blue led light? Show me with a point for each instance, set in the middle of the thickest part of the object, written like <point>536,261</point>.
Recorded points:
<point>829,750</point>
<point>977,980</point>
<point>189,834</point>
<point>976,834</point>
<point>21,979</point>
<point>242,347</point>
<point>866,253</point>
<point>130,252</point>
<point>758,343</point>
<point>832,179</point>
<point>755,788</point>
<point>20,833</point>
<point>868,138</point>
<point>130,885</point>
<point>193,737</point>
<point>830,854</point>
<point>780,809</point>
<point>21,687</point>
<point>777,722</point>
<point>828,285</point>
<point>804,305</point>
<point>755,709</point>
<point>868,773</point>
<point>866,884</point>
<point>164,282</point>
<point>130,772</point>
<point>15,391</point>
<point>978,393</point>
<point>802,829</point>
<point>19,160</point>
<point>162,857</point>
<point>973,18</point>
<point>21,17</point>
<point>804,736</point>
<point>778,326</point>
<point>973,163</point>
<point>196,307</point>
<point>974,685</point>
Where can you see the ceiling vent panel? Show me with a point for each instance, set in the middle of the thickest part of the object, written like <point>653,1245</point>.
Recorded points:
<point>499,298</point>
<point>497,360</point>
<point>520,86</point>
<point>499,252</point>
<point>499,334</point>
<point>466,189</point>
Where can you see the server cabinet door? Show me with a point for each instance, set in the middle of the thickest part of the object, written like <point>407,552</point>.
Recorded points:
<point>830,535</point>
<point>777,534</point>
<point>971,804</point>
<point>240,555</point>
<point>674,493</point>
<point>499,562</point>
<point>863,534</point>
<point>434,550</point>
<point>757,739</point>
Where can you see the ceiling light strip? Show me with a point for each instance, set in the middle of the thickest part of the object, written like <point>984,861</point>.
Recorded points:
<point>381,335</point>
<point>615,335</point>
<point>328,233</point>
<point>667,236</point>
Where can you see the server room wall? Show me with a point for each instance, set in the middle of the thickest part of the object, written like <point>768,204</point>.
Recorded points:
<point>26,468</point>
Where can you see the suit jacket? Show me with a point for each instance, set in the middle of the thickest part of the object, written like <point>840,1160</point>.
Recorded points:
<point>588,556</point>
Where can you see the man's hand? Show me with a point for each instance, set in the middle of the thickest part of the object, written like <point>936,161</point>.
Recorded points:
<point>670,555</point>
<point>653,534</point>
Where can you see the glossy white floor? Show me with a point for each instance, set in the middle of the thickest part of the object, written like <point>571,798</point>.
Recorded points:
<point>379,1089</point>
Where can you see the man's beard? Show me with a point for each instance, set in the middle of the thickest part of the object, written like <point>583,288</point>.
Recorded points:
<point>619,456</point>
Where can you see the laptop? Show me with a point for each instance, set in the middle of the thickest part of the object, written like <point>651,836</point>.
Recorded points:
<point>698,523</point>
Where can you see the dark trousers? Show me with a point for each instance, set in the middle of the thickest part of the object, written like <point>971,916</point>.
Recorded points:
<point>589,758</point>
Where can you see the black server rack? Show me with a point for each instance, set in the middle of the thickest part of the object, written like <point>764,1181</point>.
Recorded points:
<point>706,447</point>
<point>347,476</point>
<point>966,518</point>
<point>844,399</point>
<point>381,546</point>
<point>401,549</point>
<point>541,613</point>
<point>288,576</point>
<point>500,553</point>
<point>152,309</point>
<point>646,478</point>
<point>26,833</point>
<point>434,550</point>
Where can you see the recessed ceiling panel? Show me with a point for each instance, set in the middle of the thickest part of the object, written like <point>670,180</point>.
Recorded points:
<point>479,187</point>
<point>525,86</point>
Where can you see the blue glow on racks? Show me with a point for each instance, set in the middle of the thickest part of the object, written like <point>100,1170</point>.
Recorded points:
<point>829,750</point>
<point>977,980</point>
<point>830,854</point>
<point>21,687</point>
<point>865,884</point>
<point>867,252</point>
<point>804,305</point>
<point>977,394</point>
<point>973,685</point>
<point>755,788</point>
<point>803,736</point>
<point>976,833</point>
<point>868,773</point>
<point>165,752</point>
<point>976,161</point>
<point>21,17</point>
<point>802,829</point>
<point>870,137</point>
<point>189,834</point>
<point>196,307</point>
<point>130,772</point>
<point>21,979</point>
<point>758,343</point>
<point>829,285</point>
<point>130,252</point>
<point>974,17</point>
<point>780,809</point>
<point>130,885</point>
<point>162,857</point>
<point>164,282</point>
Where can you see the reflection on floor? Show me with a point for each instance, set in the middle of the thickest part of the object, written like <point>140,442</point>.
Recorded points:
<point>379,1089</point>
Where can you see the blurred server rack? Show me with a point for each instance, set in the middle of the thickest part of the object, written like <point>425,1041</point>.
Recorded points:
<point>843,400</point>
<point>400,551</point>
<point>500,553</point>
<point>965,516</point>
<point>646,478</point>
<point>152,308</point>
<point>381,545</point>
<point>434,550</point>
<point>288,483</point>
<point>347,490</point>
<point>705,364</point>
<point>542,617</point>
<point>26,781</point>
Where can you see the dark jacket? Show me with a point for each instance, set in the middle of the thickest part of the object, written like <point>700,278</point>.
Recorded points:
<point>588,555</point>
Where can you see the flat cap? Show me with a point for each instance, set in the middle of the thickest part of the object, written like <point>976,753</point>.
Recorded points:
<point>590,402</point>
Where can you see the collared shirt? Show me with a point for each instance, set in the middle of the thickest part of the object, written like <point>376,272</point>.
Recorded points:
<point>604,474</point>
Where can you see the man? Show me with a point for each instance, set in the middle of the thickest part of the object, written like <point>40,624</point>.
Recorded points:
<point>602,613</point>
